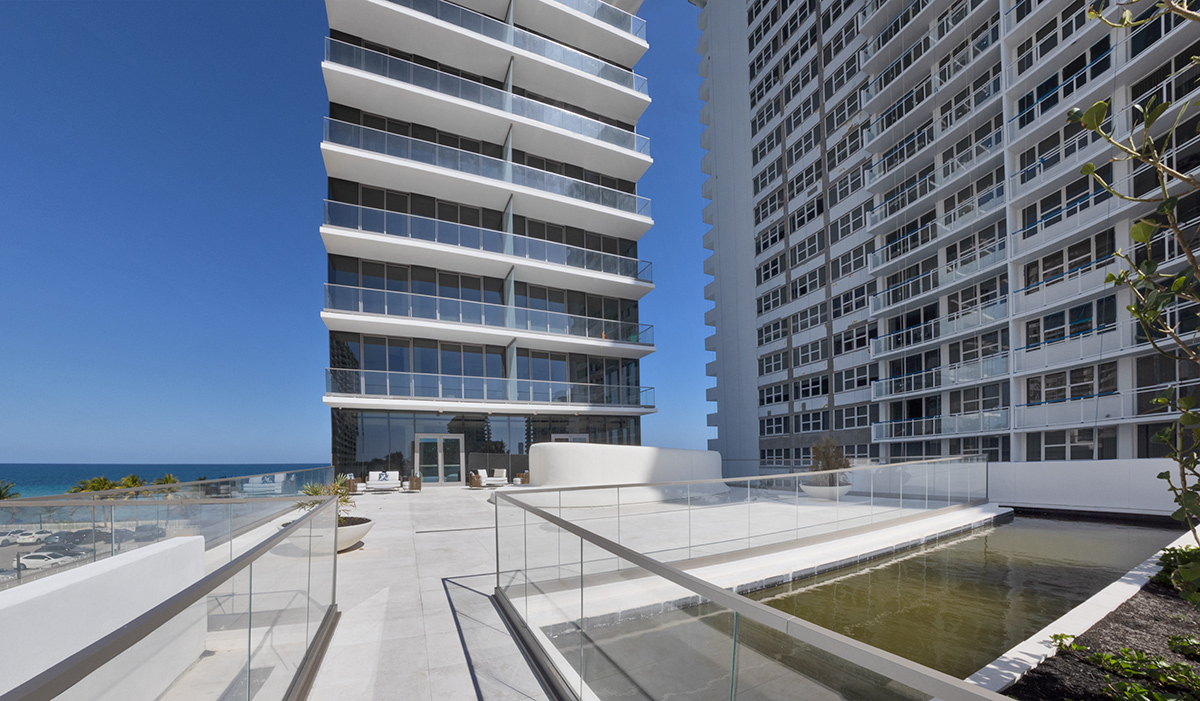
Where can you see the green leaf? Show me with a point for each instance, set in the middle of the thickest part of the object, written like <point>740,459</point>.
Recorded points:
<point>1087,169</point>
<point>1189,419</point>
<point>1168,205</point>
<point>1074,115</point>
<point>1141,231</point>
<point>1187,403</point>
<point>1094,117</point>
<point>1156,112</point>
<point>1127,18</point>
<point>1164,475</point>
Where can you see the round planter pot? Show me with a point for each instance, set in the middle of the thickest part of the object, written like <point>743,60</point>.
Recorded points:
<point>348,536</point>
<point>827,493</point>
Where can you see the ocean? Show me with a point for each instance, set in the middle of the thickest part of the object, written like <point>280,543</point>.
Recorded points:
<point>44,479</point>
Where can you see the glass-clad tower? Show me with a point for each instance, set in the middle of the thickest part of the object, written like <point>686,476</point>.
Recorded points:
<point>906,255</point>
<point>482,224</point>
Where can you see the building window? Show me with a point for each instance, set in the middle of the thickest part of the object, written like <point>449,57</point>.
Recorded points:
<point>808,283</point>
<point>811,387</point>
<point>771,268</point>
<point>812,421</point>
<point>809,318</point>
<point>1072,444</point>
<point>1100,315</point>
<point>810,353</point>
<point>773,426</point>
<point>773,331</point>
<point>853,300</point>
<point>769,237</point>
<point>772,300</point>
<point>996,448</point>
<point>774,362</point>
<point>807,248</point>
<point>854,416</point>
<point>1076,383</point>
<point>855,378</point>
<point>775,457</point>
<point>854,339</point>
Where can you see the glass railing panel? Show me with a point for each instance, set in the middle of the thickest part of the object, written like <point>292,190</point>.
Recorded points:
<point>408,305</point>
<point>279,605</point>
<point>612,16</point>
<point>772,510</point>
<point>446,84</point>
<point>692,639</point>
<point>521,39</point>
<point>381,383</point>
<point>243,633</point>
<point>398,146</point>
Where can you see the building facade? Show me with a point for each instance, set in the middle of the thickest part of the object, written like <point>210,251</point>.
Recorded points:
<point>482,224</point>
<point>906,255</point>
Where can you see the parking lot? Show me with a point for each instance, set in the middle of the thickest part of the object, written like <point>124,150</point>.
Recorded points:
<point>99,550</point>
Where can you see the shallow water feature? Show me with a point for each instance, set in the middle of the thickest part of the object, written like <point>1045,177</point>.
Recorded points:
<point>958,604</point>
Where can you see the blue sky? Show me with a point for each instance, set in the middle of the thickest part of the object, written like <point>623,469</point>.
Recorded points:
<point>161,189</point>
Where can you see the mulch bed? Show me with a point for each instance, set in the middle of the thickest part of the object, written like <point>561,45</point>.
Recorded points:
<point>1144,622</point>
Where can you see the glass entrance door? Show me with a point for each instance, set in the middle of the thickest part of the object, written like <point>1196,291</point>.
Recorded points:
<point>439,458</point>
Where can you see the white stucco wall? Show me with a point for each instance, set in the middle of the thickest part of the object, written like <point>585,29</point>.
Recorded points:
<point>49,619</point>
<point>576,464</point>
<point>1118,486</point>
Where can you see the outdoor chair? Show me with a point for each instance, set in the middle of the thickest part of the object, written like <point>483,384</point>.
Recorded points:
<point>500,479</point>
<point>383,481</point>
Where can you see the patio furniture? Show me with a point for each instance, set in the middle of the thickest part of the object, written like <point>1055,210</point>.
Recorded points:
<point>500,479</point>
<point>413,484</point>
<point>475,479</point>
<point>383,481</point>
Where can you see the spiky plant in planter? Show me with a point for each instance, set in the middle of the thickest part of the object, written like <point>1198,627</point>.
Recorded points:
<point>351,529</point>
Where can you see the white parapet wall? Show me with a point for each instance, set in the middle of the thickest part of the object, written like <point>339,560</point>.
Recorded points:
<point>50,619</point>
<point>1113,486</point>
<point>579,464</point>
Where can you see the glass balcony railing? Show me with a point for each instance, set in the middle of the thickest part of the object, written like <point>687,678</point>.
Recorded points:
<point>965,320</point>
<point>379,141</point>
<point>978,151</point>
<point>415,385</point>
<point>969,264</point>
<point>460,311</point>
<point>526,41</point>
<point>937,378</point>
<point>974,208</point>
<point>612,16</point>
<point>350,216</point>
<point>905,244</point>
<point>950,424</point>
<point>407,72</point>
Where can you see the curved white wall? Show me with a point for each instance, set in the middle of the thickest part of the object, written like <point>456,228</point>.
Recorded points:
<point>577,464</point>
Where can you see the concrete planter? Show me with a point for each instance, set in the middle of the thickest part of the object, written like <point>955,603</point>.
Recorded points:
<point>827,493</point>
<point>349,536</point>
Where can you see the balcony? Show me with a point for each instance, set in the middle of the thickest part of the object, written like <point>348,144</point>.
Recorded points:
<point>607,14</point>
<point>904,245</point>
<point>974,208</point>
<point>449,310</point>
<point>410,73</point>
<point>903,199</point>
<point>527,41</point>
<point>941,277</point>
<point>382,384</point>
<point>1103,341</point>
<point>1073,412</point>
<point>505,175</point>
<point>1077,282</point>
<point>484,241</point>
<point>935,379</point>
<point>966,320</point>
<point>989,37</point>
<point>483,45</point>
<point>984,421</point>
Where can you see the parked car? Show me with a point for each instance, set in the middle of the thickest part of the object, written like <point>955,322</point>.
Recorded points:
<point>68,550</point>
<point>90,536</point>
<point>9,537</point>
<point>33,537</point>
<point>122,535</point>
<point>59,538</point>
<point>148,531</point>
<point>37,561</point>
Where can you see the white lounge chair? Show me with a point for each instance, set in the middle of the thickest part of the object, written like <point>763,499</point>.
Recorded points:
<point>500,479</point>
<point>383,481</point>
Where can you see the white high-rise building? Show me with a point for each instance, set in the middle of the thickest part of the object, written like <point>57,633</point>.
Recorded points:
<point>906,255</point>
<point>482,225</point>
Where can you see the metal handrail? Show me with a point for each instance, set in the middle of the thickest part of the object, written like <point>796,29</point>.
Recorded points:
<point>893,666</point>
<point>62,676</point>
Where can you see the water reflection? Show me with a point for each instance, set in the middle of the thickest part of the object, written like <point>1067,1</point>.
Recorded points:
<point>957,605</point>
